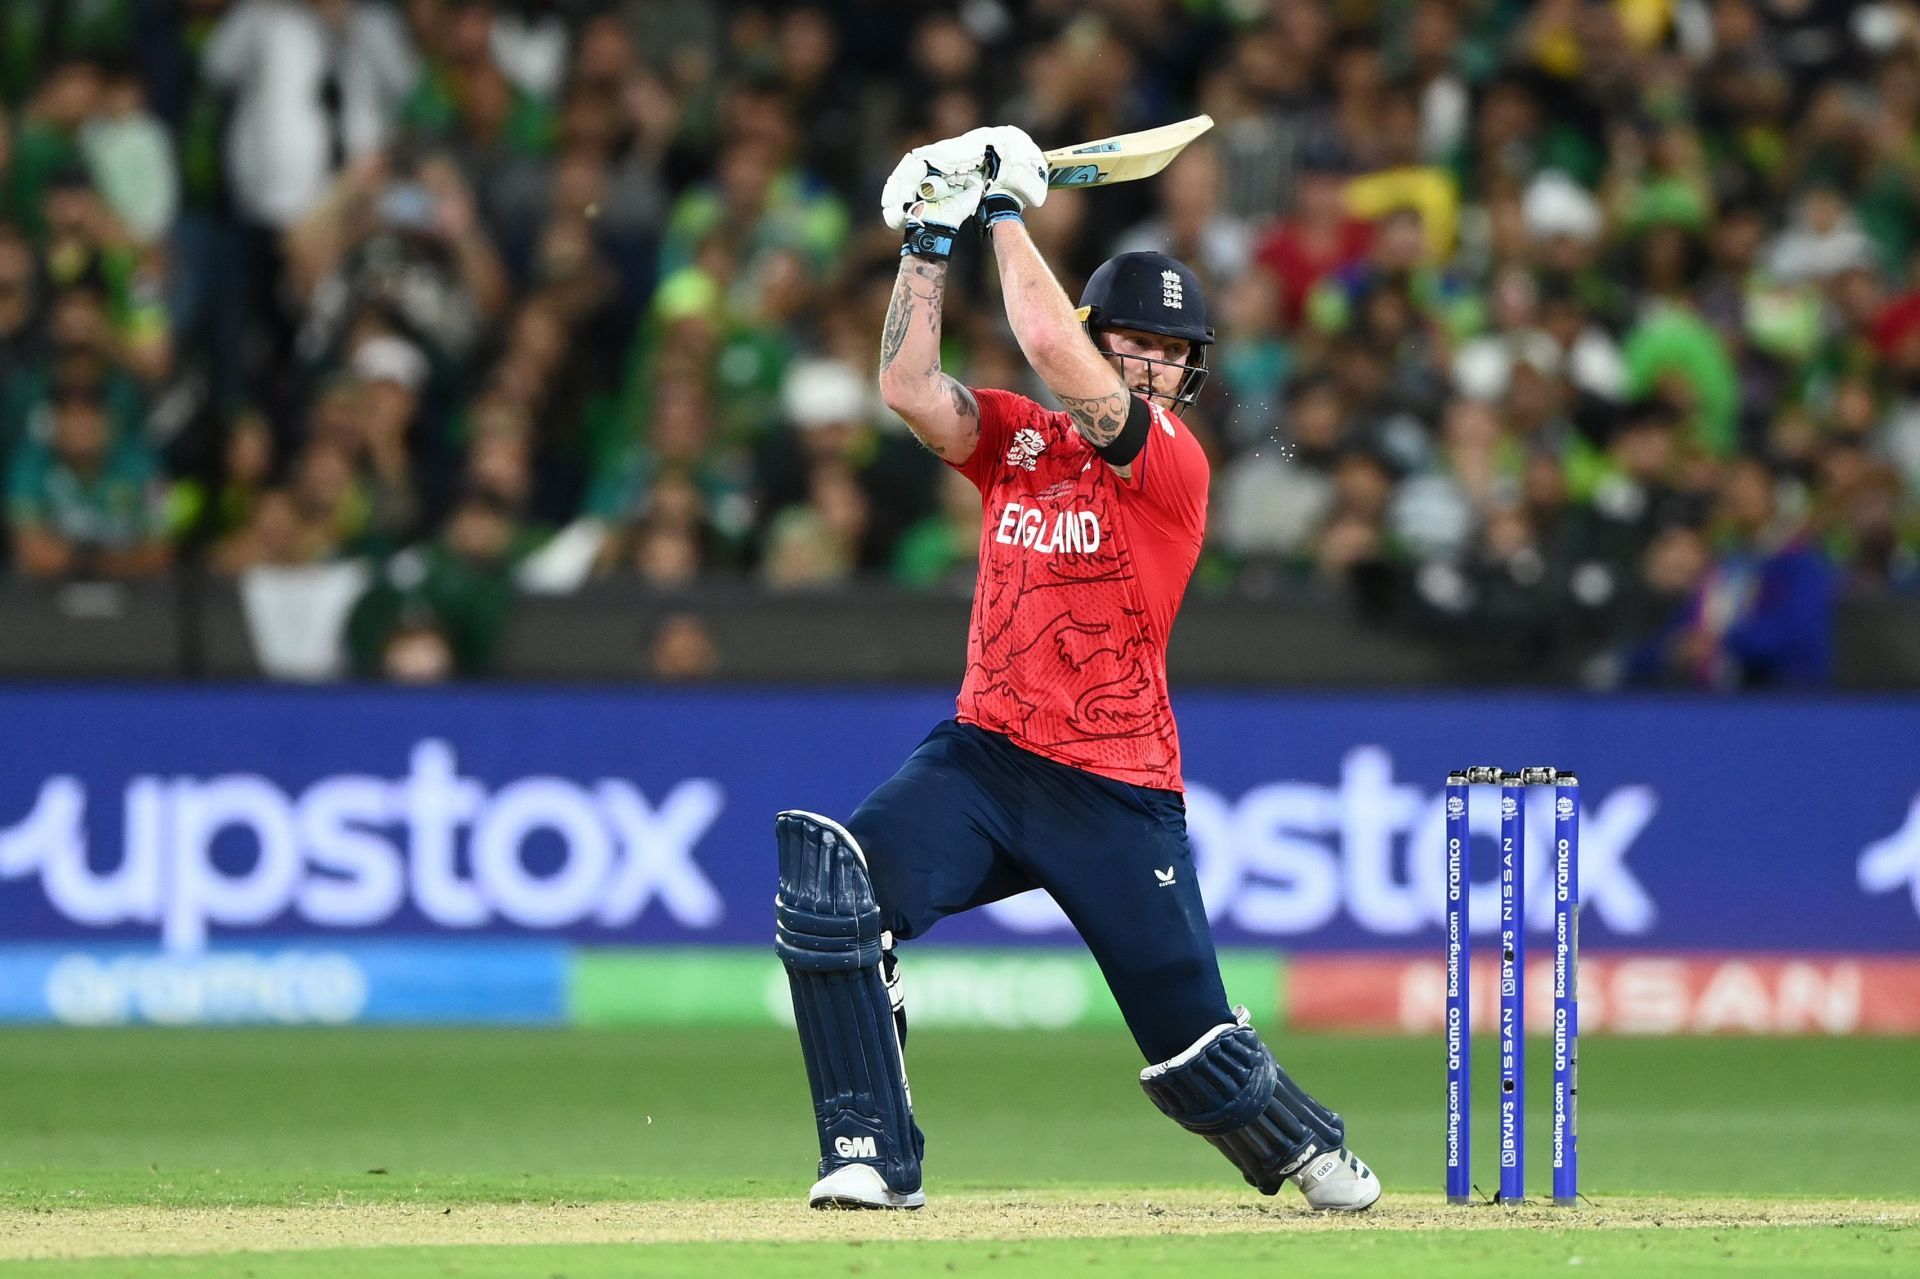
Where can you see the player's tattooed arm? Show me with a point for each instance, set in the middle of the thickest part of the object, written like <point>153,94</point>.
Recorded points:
<point>918,292</point>
<point>957,446</point>
<point>963,402</point>
<point>913,327</point>
<point>1052,338</point>
<point>1098,418</point>
<point>941,412</point>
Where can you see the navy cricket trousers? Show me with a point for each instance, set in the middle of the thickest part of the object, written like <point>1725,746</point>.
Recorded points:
<point>971,818</point>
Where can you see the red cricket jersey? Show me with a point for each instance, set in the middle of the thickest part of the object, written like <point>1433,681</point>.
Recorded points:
<point>1081,573</point>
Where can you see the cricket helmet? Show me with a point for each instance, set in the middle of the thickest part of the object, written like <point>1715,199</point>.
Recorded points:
<point>1155,294</point>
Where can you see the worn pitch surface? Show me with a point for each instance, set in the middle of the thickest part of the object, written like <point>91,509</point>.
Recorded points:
<point>270,1153</point>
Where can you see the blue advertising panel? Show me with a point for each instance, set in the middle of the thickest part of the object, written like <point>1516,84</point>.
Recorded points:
<point>194,818</point>
<point>326,983</point>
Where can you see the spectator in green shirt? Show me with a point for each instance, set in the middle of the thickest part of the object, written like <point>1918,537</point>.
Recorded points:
<point>47,137</point>
<point>82,503</point>
<point>463,581</point>
<point>19,296</point>
<point>1674,351</point>
<point>775,204</point>
<point>943,549</point>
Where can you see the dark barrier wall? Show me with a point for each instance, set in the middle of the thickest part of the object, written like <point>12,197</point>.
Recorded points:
<point>199,816</point>
<point>198,630</point>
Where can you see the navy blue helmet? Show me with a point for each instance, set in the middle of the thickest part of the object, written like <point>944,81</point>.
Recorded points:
<point>1155,294</point>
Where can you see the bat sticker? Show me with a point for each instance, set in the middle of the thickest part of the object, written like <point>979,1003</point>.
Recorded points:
<point>1074,175</point>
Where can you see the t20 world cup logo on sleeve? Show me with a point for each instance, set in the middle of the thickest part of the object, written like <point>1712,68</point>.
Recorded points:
<point>1025,449</point>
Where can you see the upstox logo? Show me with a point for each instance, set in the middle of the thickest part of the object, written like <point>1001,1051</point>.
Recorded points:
<point>1288,858</point>
<point>351,851</point>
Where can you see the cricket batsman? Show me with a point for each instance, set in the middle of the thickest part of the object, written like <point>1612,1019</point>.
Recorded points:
<point>1061,769</point>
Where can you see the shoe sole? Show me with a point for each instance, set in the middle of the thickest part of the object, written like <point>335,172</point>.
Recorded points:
<point>1340,1208</point>
<point>849,1203</point>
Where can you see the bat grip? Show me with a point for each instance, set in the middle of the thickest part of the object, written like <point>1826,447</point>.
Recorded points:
<point>936,187</point>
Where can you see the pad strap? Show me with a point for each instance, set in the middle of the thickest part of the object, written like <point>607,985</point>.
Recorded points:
<point>1228,1088</point>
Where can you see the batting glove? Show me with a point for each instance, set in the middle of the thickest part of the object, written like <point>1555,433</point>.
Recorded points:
<point>951,170</point>
<point>929,172</point>
<point>1016,173</point>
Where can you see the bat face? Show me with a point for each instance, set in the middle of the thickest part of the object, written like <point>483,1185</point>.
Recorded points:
<point>1126,157</point>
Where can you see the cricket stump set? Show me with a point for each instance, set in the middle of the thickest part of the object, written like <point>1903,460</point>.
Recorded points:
<point>1513,982</point>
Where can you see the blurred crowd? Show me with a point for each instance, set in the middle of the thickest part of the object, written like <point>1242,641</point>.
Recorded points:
<point>1582,323</point>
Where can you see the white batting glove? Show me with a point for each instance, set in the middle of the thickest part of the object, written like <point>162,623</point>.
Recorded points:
<point>929,173</point>
<point>957,194</point>
<point>932,191</point>
<point>964,154</point>
<point>1020,174</point>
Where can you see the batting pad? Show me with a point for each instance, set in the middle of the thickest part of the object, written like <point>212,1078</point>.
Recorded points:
<point>1230,1090</point>
<point>828,935</point>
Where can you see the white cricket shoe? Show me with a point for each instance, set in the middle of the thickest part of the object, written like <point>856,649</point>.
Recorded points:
<point>861,1186</point>
<point>1338,1182</point>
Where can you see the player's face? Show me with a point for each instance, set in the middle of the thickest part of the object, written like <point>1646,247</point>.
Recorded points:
<point>1152,363</point>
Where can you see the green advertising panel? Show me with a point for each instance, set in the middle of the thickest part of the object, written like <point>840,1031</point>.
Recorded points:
<point>959,987</point>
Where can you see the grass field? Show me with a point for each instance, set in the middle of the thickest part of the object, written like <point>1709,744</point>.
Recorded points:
<point>267,1153</point>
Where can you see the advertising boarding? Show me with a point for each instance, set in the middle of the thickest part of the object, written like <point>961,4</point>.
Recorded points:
<point>326,835</point>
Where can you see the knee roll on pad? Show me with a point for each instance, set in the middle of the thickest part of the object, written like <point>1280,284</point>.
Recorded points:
<point>1228,1088</point>
<point>826,917</point>
<point>827,933</point>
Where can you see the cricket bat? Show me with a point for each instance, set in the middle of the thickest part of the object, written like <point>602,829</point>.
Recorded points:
<point>1126,157</point>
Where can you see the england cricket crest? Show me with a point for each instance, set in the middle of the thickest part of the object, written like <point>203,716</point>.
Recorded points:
<point>1026,448</point>
<point>1171,292</point>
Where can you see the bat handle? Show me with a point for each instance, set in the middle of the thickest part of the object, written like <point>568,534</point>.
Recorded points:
<point>936,187</point>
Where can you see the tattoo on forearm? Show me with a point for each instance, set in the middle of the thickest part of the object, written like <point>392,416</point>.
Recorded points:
<point>918,281</point>
<point>1099,418</point>
<point>914,312</point>
<point>894,332</point>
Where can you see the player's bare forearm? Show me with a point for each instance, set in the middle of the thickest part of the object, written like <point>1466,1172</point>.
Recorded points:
<point>910,339</point>
<point>1050,336</point>
<point>938,409</point>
